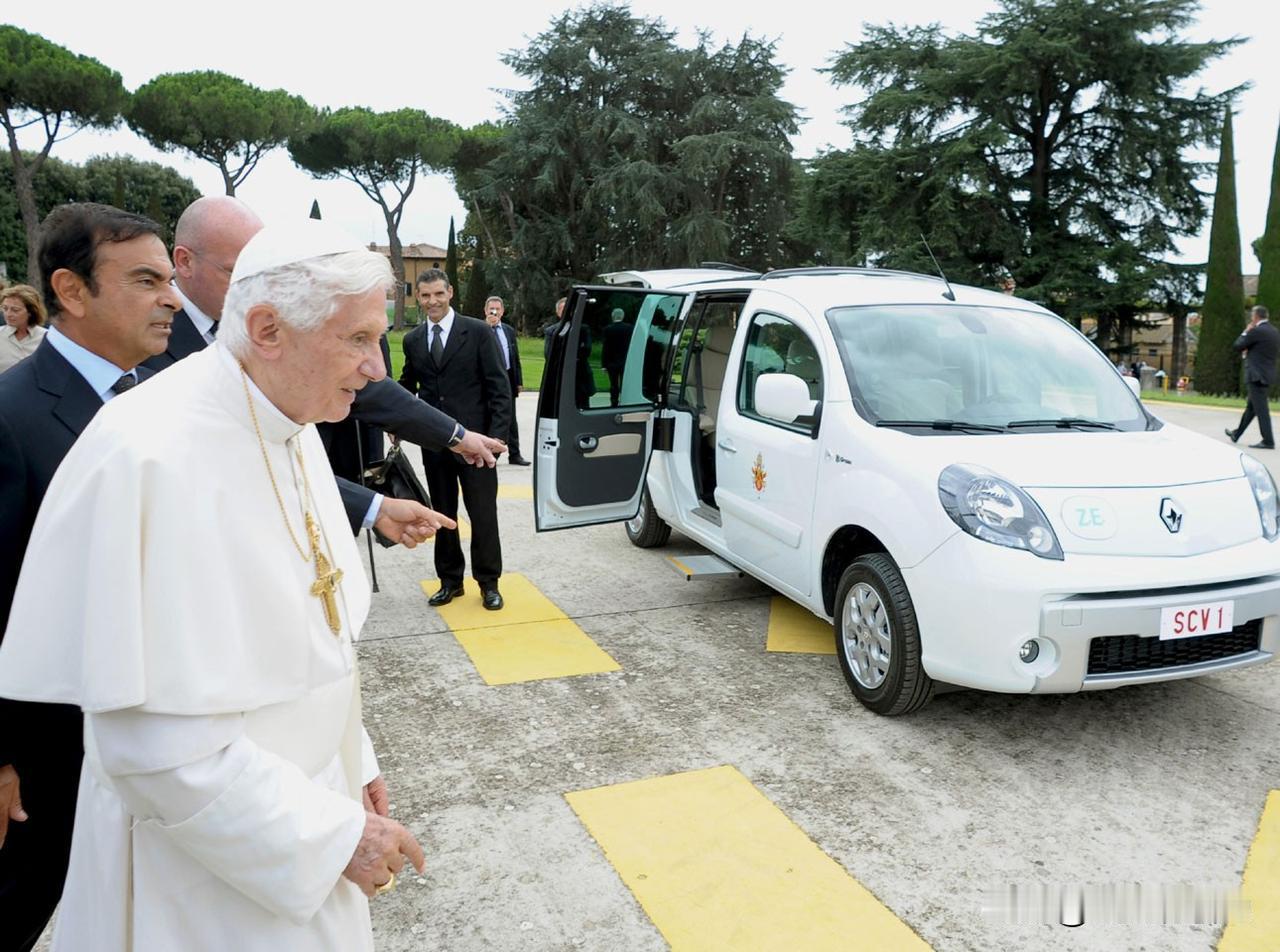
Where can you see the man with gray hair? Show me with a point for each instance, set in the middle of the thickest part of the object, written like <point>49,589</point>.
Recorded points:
<point>210,594</point>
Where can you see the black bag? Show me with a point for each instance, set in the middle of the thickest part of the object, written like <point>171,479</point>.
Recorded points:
<point>394,476</point>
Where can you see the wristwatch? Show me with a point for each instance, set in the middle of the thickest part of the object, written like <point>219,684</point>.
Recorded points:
<point>458,434</point>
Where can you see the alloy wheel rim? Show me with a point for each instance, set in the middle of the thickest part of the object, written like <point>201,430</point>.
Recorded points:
<point>866,635</point>
<point>636,525</point>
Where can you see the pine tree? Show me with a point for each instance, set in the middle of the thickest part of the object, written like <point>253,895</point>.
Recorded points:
<point>451,263</point>
<point>1222,316</point>
<point>315,208</point>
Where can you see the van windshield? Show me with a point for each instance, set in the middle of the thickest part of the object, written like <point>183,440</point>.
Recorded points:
<point>932,368</point>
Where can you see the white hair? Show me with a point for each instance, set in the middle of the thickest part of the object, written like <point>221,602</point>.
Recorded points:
<point>305,294</point>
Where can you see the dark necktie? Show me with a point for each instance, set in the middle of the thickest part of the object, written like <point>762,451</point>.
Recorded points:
<point>213,329</point>
<point>437,347</point>
<point>502,347</point>
<point>127,382</point>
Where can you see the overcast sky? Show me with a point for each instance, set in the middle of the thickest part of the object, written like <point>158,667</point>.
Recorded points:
<point>446,60</point>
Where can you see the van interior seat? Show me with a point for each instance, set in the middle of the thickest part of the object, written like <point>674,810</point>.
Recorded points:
<point>715,364</point>
<point>803,363</point>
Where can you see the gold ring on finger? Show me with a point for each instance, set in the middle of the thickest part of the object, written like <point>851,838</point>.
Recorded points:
<point>389,885</point>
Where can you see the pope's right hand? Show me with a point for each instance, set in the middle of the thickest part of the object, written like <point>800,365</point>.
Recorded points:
<point>10,800</point>
<point>381,853</point>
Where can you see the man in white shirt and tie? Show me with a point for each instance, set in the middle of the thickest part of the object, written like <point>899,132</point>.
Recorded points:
<point>505,334</point>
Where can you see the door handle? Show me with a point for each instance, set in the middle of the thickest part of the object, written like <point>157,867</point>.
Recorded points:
<point>727,446</point>
<point>587,443</point>
<point>640,416</point>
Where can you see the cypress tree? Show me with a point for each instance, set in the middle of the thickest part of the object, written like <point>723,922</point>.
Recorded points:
<point>477,284</point>
<point>1222,316</point>
<point>1269,246</point>
<point>315,208</point>
<point>451,264</point>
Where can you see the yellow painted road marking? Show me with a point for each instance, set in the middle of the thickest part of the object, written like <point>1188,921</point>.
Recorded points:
<point>528,640</point>
<point>1260,932</point>
<point>464,529</point>
<point>515,491</point>
<point>716,865</point>
<point>796,629</point>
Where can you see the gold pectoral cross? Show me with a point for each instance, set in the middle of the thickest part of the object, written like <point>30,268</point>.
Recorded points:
<point>327,578</point>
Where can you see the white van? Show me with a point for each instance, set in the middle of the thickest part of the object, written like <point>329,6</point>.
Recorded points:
<point>957,478</point>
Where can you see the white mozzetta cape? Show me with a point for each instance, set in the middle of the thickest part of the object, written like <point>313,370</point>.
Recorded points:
<point>219,802</point>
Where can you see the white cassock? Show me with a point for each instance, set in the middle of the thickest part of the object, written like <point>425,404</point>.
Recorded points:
<point>220,797</point>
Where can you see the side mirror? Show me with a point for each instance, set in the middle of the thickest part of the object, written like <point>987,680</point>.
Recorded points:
<point>1135,385</point>
<point>783,397</point>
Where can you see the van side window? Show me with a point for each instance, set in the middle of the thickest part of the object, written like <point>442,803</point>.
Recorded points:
<point>621,348</point>
<point>775,345</point>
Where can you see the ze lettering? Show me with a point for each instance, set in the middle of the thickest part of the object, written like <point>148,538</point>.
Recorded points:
<point>1089,517</point>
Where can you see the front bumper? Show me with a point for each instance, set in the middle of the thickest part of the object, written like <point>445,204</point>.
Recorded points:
<point>978,603</point>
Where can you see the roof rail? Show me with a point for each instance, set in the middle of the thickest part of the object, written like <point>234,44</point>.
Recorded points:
<point>722,266</point>
<point>829,270</point>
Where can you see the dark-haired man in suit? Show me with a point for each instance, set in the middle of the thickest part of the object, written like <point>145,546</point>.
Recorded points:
<point>453,363</point>
<point>505,335</point>
<point>1261,345</point>
<point>107,286</point>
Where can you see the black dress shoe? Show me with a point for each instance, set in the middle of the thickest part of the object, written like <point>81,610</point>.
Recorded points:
<point>492,598</point>
<point>1232,435</point>
<point>520,461</point>
<point>1262,446</point>
<point>446,594</point>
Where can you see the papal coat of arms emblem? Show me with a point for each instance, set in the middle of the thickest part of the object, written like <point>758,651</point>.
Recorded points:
<point>758,475</point>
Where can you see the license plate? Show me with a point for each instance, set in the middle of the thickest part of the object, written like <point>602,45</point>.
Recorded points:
<point>1191,621</point>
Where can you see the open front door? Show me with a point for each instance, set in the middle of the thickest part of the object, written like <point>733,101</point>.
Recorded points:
<point>606,373</point>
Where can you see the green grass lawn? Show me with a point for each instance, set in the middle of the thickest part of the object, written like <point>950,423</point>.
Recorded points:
<point>1199,400</point>
<point>530,357</point>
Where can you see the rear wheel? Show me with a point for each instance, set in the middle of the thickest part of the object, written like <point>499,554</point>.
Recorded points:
<point>647,530</point>
<point>877,639</point>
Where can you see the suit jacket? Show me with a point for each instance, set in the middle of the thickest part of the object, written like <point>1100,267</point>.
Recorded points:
<point>470,384</point>
<point>1261,346</point>
<point>184,340</point>
<point>515,374</point>
<point>44,407</point>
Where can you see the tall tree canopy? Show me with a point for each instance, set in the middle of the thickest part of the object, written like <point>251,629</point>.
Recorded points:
<point>1222,316</point>
<point>218,118</point>
<point>146,188</point>
<point>1268,246</point>
<point>47,86</point>
<point>382,152</point>
<point>628,151</point>
<point>1049,145</point>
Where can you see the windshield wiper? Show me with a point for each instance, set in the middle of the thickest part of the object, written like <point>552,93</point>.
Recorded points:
<point>1065,423</point>
<point>943,425</point>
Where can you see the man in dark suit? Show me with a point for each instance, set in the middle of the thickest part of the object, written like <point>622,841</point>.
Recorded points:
<point>1261,345</point>
<point>207,241</point>
<point>453,363</point>
<point>615,342</point>
<point>505,336</point>
<point>107,285</point>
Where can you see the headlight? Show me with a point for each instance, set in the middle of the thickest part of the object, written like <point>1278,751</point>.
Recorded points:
<point>995,510</point>
<point>1264,494</point>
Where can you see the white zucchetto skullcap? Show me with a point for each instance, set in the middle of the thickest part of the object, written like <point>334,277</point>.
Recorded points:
<point>278,245</point>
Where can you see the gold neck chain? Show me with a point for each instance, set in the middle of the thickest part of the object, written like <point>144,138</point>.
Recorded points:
<point>262,445</point>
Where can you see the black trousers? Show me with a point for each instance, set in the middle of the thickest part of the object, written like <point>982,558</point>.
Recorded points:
<point>513,435</point>
<point>1257,406</point>
<point>446,473</point>
<point>36,852</point>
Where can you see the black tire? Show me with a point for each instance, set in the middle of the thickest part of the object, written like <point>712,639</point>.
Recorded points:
<point>647,530</point>
<point>900,684</point>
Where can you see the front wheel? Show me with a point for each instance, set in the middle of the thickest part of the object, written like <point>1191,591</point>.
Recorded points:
<point>647,530</point>
<point>877,639</point>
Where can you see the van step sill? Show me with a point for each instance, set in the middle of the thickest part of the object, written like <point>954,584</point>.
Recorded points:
<point>707,513</point>
<point>702,567</point>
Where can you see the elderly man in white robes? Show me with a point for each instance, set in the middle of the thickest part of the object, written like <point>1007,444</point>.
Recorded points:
<point>191,583</point>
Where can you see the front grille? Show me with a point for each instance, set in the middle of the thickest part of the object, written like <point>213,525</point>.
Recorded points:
<point>1121,654</point>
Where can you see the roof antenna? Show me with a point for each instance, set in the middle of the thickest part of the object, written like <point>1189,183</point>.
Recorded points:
<point>948,293</point>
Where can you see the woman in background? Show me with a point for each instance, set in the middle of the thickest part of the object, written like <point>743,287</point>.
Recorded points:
<point>24,318</point>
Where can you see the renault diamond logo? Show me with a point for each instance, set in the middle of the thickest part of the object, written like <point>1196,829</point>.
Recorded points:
<point>1170,514</point>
